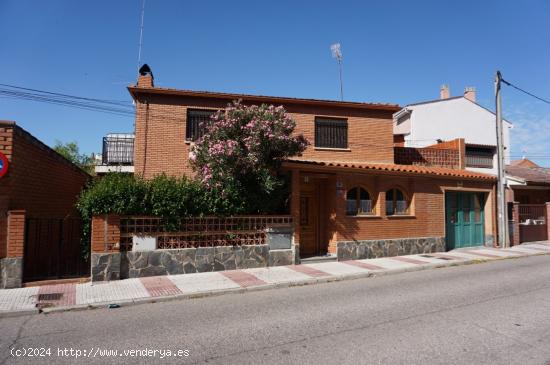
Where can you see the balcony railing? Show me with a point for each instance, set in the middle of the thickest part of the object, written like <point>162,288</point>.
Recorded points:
<point>427,157</point>
<point>118,149</point>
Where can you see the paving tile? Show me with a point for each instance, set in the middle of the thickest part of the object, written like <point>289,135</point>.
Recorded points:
<point>278,274</point>
<point>111,291</point>
<point>430,260</point>
<point>310,271</point>
<point>388,263</point>
<point>18,299</point>
<point>202,282</point>
<point>448,256</point>
<point>159,286</point>
<point>467,255</point>
<point>337,268</point>
<point>538,245</point>
<point>409,260</point>
<point>483,253</point>
<point>530,249</point>
<point>363,264</point>
<point>243,278</point>
<point>57,295</point>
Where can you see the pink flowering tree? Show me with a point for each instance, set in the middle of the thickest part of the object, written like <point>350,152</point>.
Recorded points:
<point>239,154</point>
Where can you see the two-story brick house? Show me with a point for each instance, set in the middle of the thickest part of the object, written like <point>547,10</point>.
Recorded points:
<point>348,196</point>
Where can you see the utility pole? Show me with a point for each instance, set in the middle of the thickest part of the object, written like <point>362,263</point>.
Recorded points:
<point>502,209</point>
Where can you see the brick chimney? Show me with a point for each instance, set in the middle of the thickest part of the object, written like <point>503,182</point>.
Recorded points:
<point>444,92</point>
<point>145,78</point>
<point>470,93</point>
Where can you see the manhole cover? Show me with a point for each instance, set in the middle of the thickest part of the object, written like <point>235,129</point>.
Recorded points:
<point>49,297</point>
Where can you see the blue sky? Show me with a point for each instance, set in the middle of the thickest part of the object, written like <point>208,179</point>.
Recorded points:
<point>394,51</point>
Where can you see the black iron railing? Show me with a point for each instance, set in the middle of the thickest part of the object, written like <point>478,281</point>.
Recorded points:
<point>118,149</point>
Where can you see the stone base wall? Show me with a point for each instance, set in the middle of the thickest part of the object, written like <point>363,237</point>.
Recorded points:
<point>106,266</point>
<point>357,250</point>
<point>135,264</point>
<point>11,272</point>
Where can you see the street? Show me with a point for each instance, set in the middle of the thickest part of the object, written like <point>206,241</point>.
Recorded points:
<point>491,313</point>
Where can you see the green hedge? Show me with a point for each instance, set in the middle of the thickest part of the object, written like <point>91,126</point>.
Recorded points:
<point>166,197</point>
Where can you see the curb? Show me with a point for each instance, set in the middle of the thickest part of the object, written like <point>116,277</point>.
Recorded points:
<point>281,285</point>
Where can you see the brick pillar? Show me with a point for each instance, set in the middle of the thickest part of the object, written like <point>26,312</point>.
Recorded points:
<point>12,265</point>
<point>105,247</point>
<point>461,153</point>
<point>547,222</point>
<point>514,238</point>
<point>295,211</point>
<point>105,233</point>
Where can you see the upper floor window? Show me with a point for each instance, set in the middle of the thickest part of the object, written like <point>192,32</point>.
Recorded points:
<point>479,156</point>
<point>358,202</point>
<point>194,129</point>
<point>396,202</point>
<point>331,133</point>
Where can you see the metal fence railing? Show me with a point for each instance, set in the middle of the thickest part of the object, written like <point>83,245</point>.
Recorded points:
<point>118,149</point>
<point>532,214</point>
<point>201,231</point>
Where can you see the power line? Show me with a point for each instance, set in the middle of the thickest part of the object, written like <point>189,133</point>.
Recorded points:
<point>105,101</point>
<point>114,107</point>
<point>525,91</point>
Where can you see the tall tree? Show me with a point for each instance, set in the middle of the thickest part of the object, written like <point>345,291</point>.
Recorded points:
<point>71,152</point>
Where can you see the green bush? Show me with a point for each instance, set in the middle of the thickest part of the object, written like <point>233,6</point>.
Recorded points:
<point>167,197</point>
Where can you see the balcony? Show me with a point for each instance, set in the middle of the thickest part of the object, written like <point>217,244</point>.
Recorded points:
<point>118,153</point>
<point>438,157</point>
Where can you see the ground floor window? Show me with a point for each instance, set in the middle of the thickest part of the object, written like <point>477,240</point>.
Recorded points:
<point>358,201</point>
<point>396,202</point>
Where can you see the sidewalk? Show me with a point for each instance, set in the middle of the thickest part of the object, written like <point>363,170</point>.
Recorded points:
<point>50,298</point>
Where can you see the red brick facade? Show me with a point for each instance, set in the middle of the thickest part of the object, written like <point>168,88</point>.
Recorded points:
<point>160,147</point>
<point>39,181</point>
<point>105,235</point>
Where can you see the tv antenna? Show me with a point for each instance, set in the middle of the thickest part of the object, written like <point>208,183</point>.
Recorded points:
<point>141,32</point>
<point>337,53</point>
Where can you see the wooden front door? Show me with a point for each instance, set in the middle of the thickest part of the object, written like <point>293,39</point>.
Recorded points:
<point>309,220</point>
<point>464,219</point>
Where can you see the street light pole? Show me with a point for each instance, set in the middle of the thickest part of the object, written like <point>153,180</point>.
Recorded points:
<point>502,211</point>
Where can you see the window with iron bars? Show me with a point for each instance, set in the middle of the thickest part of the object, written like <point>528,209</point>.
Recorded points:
<point>331,133</point>
<point>479,156</point>
<point>195,123</point>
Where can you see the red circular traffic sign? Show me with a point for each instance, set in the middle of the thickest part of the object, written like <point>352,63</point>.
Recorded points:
<point>4,164</point>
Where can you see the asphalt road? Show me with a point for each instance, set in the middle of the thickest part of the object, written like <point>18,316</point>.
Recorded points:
<point>491,313</point>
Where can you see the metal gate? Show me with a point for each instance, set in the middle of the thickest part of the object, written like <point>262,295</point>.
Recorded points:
<point>532,222</point>
<point>53,250</point>
<point>465,219</point>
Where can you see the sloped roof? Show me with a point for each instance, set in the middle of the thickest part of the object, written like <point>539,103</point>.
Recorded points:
<point>524,162</point>
<point>408,169</point>
<point>261,98</point>
<point>450,99</point>
<point>534,175</point>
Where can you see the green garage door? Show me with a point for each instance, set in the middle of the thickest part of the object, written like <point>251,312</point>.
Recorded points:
<point>464,217</point>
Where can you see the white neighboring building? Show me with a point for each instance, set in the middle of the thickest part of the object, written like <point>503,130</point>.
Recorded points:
<point>428,123</point>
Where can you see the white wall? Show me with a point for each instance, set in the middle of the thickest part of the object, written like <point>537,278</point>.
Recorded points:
<point>454,118</point>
